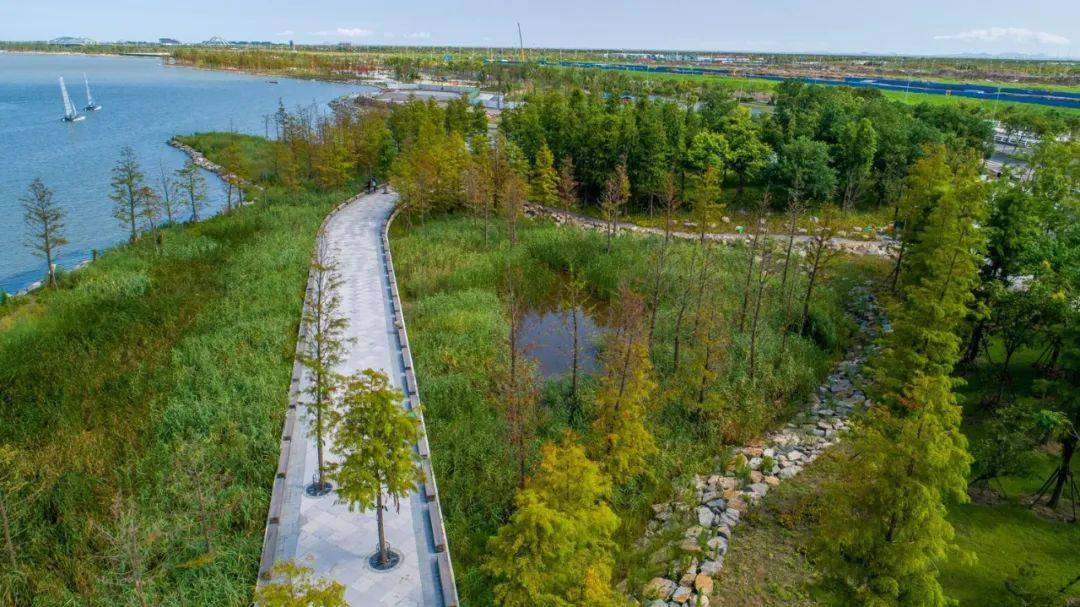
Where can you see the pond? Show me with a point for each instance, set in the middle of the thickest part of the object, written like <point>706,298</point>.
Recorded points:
<point>547,336</point>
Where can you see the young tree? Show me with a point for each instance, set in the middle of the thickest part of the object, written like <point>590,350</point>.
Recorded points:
<point>324,348</point>
<point>45,221</point>
<point>671,204</point>
<point>12,482</point>
<point>127,186</point>
<point>231,161</point>
<point>557,548</point>
<point>204,486</point>
<point>568,185</point>
<point>192,187</point>
<point>576,299</point>
<point>616,195</point>
<point>129,547</point>
<point>624,443</point>
<point>149,207</point>
<point>517,391</point>
<point>168,194</point>
<point>794,211</point>
<point>820,253</point>
<point>545,181</point>
<point>374,440</point>
<point>295,586</point>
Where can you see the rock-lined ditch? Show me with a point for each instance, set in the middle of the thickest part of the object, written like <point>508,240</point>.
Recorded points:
<point>881,246</point>
<point>714,506</point>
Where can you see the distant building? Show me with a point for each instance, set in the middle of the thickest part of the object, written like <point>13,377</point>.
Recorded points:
<point>70,41</point>
<point>215,41</point>
<point>169,42</point>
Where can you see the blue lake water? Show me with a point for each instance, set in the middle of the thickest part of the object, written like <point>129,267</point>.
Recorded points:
<point>144,104</point>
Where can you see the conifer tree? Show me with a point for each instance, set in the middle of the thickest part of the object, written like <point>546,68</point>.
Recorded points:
<point>292,585</point>
<point>323,349</point>
<point>127,183</point>
<point>374,440</point>
<point>887,533</point>
<point>557,547</point>
<point>568,185</point>
<point>45,220</point>
<point>616,195</point>
<point>545,181</point>
<point>623,441</point>
<point>192,186</point>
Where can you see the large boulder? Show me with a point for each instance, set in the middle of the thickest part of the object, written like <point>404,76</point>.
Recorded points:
<point>705,516</point>
<point>659,588</point>
<point>703,583</point>
<point>712,567</point>
<point>682,595</point>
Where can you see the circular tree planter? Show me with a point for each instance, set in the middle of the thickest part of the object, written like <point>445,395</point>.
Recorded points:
<point>315,489</point>
<point>393,559</point>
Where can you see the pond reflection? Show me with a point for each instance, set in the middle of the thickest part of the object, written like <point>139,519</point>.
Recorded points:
<point>547,336</point>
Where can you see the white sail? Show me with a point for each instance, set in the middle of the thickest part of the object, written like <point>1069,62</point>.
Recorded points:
<point>69,108</point>
<point>89,97</point>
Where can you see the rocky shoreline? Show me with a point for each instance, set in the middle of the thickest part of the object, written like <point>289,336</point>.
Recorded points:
<point>713,507</point>
<point>205,163</point>
<point>881,246</point>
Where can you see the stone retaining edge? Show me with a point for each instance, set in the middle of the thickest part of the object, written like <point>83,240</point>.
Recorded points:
<point>277,492</point>
<point>438,530</point>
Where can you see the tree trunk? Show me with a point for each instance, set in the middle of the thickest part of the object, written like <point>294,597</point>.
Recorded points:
<point>1068,447</point>
<point>974,343</point>
<point>574,363</point>
<point>384,558</point>
<point>804,327</point>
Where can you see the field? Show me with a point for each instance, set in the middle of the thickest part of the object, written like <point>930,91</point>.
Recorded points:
<point>152,378</point>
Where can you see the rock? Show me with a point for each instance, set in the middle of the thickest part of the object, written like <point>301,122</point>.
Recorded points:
<point>772,481</point>
<point>795,455</point>
<point>682,595</point>
<point>759,489</point>
<point>659,588</point>
<point>703,584</point>
<point>755,451</point>
<point>756,476</point>
<point>702,601</point>
<point>790,471</point>
<point>713,567</point>
<point>723,530</point>
<point>717,505</point>
<point>705,516</point>
<point>755,463</point>
<point>719,545</point>
<point>727,483</point>
<point>690,545</point>
<point>658,603</point>
<point>736,504</point>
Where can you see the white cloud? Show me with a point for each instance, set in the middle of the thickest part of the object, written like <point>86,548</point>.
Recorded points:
<point>346,32</point>
<point>1014,34</point>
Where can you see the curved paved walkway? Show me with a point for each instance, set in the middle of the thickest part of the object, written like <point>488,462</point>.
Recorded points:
<point>321,532</point>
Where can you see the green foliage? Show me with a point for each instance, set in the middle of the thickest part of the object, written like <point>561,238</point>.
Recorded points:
<point>374,439</point>
<point>293,585</point>
<point>557,547</point>
<point>545,181</point>
<point>134,358</point>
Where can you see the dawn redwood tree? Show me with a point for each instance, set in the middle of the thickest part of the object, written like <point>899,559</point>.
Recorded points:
<point>45,221</point>
<point>231,162</point>
<point>127,185</point>
<point>374,441</point>
<point>545,181</point>
<point>557,547</point>
<point>517,393</point>
<point>794,212</point>
<point>575,298</point>
<point>192,187</point>
<point>623,442</point>
<point>671,204</point>
<point>616,196</point>
<point>820,253</point>
<point>324,348</point>
<point>168,196</point>
<point>292,585</point>
<point>568,185</point>
<point>886,533</point>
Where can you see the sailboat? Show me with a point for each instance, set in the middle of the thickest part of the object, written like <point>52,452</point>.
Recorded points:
<point>90,105</point>
<point>70,115</point>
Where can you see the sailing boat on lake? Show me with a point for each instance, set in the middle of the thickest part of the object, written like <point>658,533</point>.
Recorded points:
<point>70,115</point>
<point>90,105</point>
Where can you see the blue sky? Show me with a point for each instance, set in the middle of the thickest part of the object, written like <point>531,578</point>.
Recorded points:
<point>1050,27</point>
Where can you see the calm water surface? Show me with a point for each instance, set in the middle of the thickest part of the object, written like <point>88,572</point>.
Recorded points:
<point>144,104</point>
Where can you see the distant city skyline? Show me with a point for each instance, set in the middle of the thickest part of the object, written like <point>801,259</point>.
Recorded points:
<point>918,27</point>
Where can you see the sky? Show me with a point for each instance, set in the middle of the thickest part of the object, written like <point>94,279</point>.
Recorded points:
<point>936,27</point>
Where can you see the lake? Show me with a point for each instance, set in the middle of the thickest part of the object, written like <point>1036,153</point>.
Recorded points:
<point>144,104</point>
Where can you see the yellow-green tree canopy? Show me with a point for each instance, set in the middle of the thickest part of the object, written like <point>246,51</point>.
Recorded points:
<point>557,548</point>
<point>545,181</point>
<point>296,586</point>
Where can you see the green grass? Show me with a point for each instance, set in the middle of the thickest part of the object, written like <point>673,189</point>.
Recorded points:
<point>256,153</point>
<point>449,275</point>
<point>136,359</point>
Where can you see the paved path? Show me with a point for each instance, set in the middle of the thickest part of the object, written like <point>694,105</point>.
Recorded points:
<point>321,532</point>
